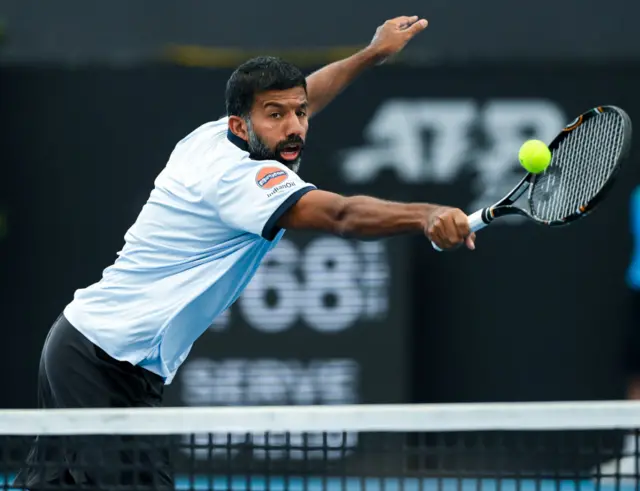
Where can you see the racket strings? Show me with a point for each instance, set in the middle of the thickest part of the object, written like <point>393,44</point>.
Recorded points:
<point>577,182</point>
<point>580,167</point>
<point>584,162</point>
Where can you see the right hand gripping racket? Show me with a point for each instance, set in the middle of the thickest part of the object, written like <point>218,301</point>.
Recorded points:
<point>585,158</point>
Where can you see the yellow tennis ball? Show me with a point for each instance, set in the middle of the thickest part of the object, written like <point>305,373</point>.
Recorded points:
<point>534,156</point>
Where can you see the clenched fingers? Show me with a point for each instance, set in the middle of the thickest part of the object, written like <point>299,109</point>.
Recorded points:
<point>462,226</point>
<point>450,228</point>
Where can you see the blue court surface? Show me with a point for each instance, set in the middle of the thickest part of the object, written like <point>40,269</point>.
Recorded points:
<point>242,483</point>
<point>391,484</point>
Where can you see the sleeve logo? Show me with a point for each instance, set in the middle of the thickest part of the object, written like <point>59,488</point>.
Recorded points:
<point>268,177</point>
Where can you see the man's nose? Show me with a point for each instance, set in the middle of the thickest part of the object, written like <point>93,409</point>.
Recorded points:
<point>294,127</point>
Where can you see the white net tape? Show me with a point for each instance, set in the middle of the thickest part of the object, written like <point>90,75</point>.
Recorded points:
<point>373,418</point>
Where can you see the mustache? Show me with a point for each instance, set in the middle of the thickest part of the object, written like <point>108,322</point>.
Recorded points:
<point>294,140</point>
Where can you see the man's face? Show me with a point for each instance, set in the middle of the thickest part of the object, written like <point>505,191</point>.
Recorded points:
<point>278,126</point>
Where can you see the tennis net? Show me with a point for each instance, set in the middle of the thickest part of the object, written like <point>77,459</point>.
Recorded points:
<point>450,447</point>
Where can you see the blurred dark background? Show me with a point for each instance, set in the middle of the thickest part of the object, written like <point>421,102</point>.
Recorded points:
<point>93,97</point>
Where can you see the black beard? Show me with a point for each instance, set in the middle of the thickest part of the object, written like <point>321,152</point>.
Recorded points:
<point>258,150</point>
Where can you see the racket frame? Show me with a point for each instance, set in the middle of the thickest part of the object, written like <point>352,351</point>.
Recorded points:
<point>505,206</point>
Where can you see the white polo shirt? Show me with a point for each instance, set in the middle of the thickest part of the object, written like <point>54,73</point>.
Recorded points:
<point>197,242</point>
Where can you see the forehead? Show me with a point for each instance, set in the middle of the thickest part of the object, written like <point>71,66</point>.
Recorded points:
<point>289,97</point>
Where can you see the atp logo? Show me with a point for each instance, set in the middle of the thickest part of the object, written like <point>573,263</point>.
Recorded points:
<point>436,140</point>
<point>268,177</point>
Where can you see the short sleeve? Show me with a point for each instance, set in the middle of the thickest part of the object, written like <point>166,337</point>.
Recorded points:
<point>252,195</point>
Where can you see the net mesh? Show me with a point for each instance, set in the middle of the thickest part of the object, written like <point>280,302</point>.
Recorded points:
<point>462,447</point>
<point>580,167</point>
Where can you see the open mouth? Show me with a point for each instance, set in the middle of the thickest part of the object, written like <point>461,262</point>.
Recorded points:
<point>291,151</point>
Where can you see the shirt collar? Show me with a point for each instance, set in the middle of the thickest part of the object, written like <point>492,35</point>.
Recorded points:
<point>237,141</point>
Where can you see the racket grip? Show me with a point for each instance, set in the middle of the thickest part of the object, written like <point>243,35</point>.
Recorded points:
<point>475,223</point>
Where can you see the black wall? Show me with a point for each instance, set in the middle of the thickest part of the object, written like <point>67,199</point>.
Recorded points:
<point>532,314</point>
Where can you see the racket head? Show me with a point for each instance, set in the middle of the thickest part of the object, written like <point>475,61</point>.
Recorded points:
<point>586,158</point>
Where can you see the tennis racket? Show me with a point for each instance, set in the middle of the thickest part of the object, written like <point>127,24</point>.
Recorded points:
<point>585,159</point>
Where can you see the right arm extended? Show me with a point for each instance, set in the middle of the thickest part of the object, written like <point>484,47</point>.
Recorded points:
<point>366,217</point>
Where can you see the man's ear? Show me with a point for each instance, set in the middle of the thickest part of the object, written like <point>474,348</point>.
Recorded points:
<point>238,127</point>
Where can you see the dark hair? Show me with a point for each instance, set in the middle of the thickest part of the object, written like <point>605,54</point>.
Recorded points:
<point>259,75</point>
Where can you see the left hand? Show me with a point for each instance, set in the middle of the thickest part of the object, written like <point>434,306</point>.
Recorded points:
<point>392,36</point>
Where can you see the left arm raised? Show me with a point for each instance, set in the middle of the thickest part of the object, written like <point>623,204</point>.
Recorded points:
<point>327,83</point>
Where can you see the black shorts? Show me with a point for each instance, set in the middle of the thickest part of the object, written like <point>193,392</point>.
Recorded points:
<point>74,373</point>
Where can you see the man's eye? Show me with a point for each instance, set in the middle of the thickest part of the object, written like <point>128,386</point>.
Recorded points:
<point>302,113</point>
<point>274,115</point>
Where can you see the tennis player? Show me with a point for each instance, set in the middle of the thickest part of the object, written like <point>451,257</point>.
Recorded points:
<point>229,191</point>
